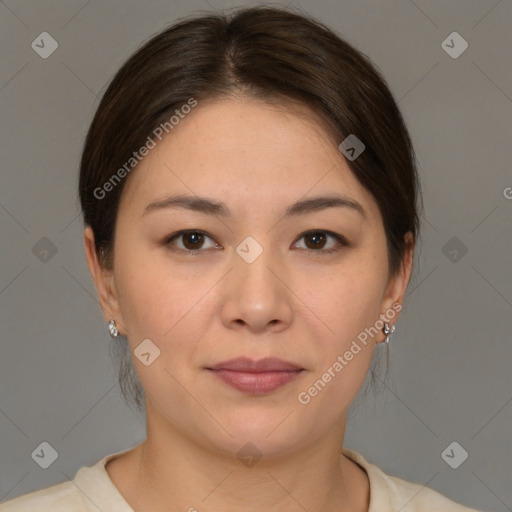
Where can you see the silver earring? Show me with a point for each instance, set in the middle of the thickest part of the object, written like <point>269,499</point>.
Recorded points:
<point>387,330</point>
<point>112,329</point>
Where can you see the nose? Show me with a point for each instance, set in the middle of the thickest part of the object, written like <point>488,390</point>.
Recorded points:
<point>257,296</point>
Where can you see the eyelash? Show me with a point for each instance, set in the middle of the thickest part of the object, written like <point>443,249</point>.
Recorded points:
<point>341,241</point>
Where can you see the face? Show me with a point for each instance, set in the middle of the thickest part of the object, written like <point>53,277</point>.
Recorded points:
<point>253,278</point>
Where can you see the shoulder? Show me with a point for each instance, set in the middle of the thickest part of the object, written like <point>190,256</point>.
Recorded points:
<point>390,493</point>
<point>64,497</point>
<point>89,491</point>
<point>412,497</point>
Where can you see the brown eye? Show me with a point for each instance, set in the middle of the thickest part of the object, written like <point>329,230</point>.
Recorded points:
<point>316,241</point>
<point>191,241</point>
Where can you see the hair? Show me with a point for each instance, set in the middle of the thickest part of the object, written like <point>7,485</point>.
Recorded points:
<point>266,53</point>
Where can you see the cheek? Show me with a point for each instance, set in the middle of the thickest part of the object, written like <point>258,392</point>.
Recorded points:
<point>161,302</point>
<point>346,300</point>
<point>347,304</point>
<point>140,296</point>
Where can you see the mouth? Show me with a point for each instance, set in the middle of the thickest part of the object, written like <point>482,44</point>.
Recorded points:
<point>256,383</point>
<point>256,377</point>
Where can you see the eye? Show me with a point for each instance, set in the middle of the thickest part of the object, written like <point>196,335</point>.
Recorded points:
<point>317,240</point>
<point>191,241</point>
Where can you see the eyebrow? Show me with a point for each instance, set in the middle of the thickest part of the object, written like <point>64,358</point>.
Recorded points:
<point>211,207</point>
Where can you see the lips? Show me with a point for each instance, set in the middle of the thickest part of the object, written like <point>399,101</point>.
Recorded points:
<point>256,377</point>
<point>245,364</point>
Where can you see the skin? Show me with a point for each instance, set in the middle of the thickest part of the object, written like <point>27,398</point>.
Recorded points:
<point>294,302</point>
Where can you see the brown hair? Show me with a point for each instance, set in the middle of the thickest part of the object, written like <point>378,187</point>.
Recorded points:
<point>262,52</point>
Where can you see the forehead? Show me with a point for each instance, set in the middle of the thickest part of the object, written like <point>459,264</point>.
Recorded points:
<point>246,152</point>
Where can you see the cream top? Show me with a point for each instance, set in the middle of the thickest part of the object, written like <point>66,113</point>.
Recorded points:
<point>92,490</point>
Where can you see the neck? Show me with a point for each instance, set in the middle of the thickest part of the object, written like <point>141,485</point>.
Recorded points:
<point>171,471</point>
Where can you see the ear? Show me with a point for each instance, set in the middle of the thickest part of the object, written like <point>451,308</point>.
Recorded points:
<point>104,282</point>
<point>397,286</point>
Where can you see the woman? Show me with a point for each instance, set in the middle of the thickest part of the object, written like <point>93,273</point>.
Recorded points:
<point>250,200</point>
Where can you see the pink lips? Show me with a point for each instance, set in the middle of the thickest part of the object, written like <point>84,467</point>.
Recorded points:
<point>256,377</point>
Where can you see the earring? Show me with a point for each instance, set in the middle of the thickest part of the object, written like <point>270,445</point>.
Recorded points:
<point>387,330</point>
<point>112,329</point>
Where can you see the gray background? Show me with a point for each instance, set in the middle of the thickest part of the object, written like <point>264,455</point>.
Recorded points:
<point>450,357</point>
